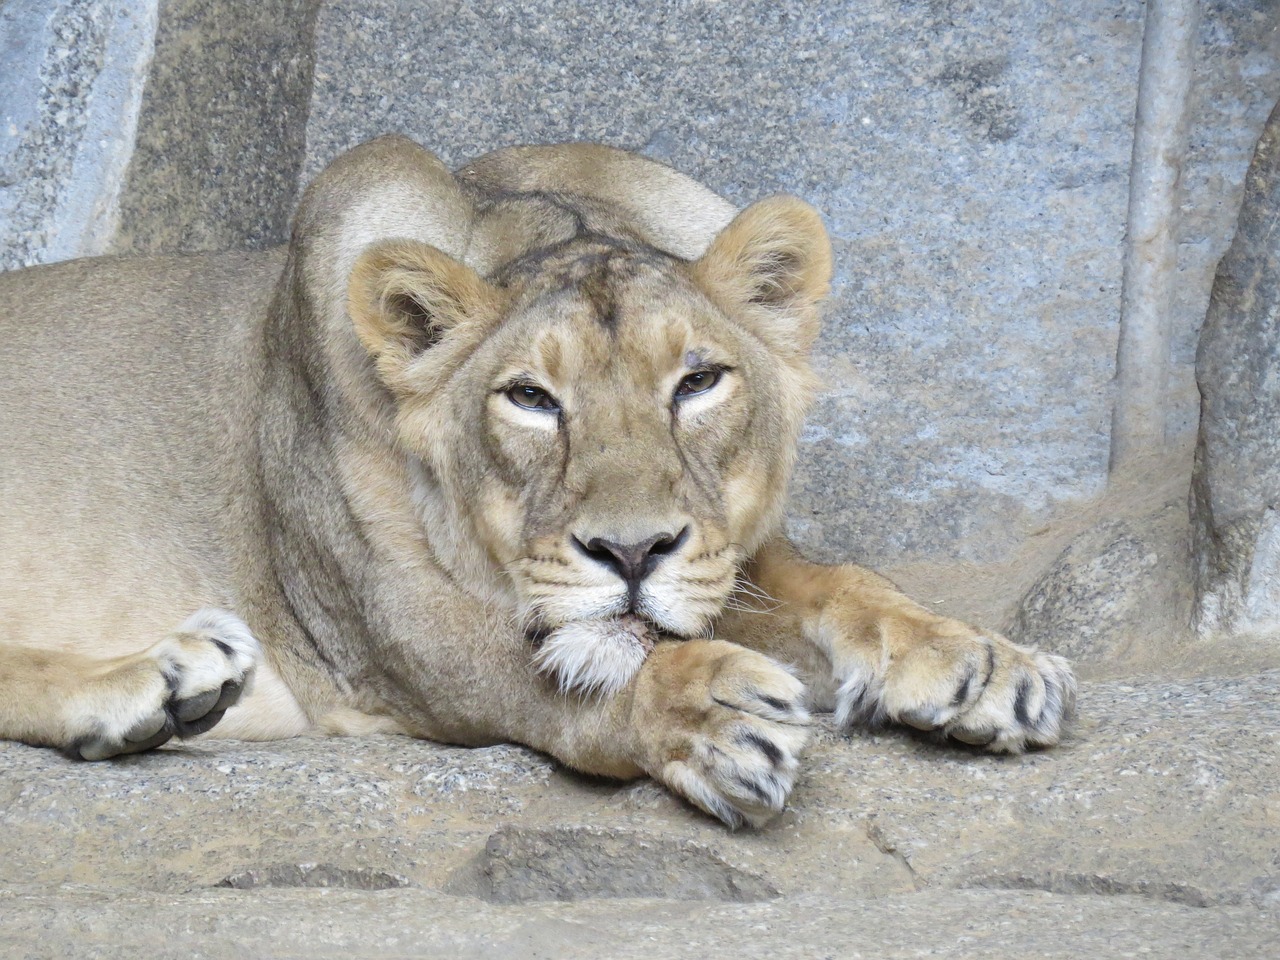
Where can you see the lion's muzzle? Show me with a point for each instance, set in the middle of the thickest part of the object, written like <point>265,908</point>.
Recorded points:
<point>633,562</point>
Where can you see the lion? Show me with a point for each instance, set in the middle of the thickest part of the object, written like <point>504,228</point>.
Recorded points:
<point>493,456</point>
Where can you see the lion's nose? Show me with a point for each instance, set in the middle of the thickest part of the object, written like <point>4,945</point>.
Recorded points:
<point>632,561</point>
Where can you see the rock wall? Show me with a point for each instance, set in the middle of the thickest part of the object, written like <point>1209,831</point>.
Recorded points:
<point>73,76</point>
<point>1236,489</point>
<point>970,160</point>
<point>973,159</point>
<point>221,129</point>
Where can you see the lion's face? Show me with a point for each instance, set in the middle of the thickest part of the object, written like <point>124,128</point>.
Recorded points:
<point>631,445</point>
<point>615,427</point>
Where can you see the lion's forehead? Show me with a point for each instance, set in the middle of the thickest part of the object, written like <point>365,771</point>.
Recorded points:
<point>610,312</point>
<point>596,268</point>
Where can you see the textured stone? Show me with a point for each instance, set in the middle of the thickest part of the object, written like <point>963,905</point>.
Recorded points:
<point>959,925</point>
<point>1151,827</point>
<point>294,875</point>
<point>222,127</point>
<point>1236,488</point>
<point>1119,588</point>
<point>521,864</point>
<point>1237,82</point>
<point>69,100</point>
<point>970,158</point>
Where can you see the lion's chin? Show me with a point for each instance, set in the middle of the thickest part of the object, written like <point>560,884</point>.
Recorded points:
<point>595,657</point>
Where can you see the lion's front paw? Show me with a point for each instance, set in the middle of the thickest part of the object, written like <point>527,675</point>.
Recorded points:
<point>178,688</point>
<point>723,727</point>
<point>978,689</point>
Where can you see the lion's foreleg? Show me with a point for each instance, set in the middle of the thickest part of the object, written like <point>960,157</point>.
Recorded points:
<point>97,708</point>
<point>873,654</point>
<point>719,725</point>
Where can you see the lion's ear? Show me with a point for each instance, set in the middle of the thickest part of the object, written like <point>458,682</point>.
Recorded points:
<point>405,296</point>
<point>775,255</point>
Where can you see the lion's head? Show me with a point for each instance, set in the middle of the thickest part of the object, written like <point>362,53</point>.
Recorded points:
<point>610,425</point>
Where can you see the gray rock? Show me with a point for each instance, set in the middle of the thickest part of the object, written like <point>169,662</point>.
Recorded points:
<point>520,864</point>
<point>1236,487</point>
<point>295,875</point>
<point>957,924</point>
<point>1150,828</point>
<point>972,159</point>
<point>221,131</point>
<point>1118,589</point>
<point>73,78</point>
<point>1237,82</point>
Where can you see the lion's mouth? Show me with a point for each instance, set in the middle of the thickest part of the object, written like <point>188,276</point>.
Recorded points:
<point>644,631</point>
<point>634,625</point>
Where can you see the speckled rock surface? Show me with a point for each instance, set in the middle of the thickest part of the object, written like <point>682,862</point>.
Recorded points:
<point>963,925</point>
<point>1237,82</point>
<point>1120,585</point>
<point>1236,489</point>
<point>1152,829</point>
<point>221,130</point>
<point>972,160</point>
<point>70,91</point>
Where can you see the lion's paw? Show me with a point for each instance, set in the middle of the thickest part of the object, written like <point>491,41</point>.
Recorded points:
<point>729,726</point>
<point>180,687</point>
<point>979,689</point>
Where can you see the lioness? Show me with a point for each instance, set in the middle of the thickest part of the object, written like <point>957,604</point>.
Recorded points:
<point>490,456</point>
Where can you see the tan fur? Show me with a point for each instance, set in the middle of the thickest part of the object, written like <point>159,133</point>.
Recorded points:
<point>483,427</point>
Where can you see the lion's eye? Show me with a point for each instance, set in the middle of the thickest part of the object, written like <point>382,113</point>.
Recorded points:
<point>532,398</point>
<point>700,381</point>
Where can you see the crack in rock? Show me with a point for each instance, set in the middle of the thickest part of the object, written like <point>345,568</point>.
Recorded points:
<point>579,863</point>
<point>890,849</point>
<point>1093,884</point>
<point>313,875</point>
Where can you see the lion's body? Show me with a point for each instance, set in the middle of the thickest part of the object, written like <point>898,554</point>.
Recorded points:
<point>310,450</point>
<point>126,430</point>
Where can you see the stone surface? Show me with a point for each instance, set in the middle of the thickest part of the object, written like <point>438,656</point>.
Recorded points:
<point>574,863</point>
<point>960,925</point>
<point>972,160</point>
<point>69,99</point>
<point>1236,487</point>
<point>1237,82</point>
<point>1151,829</point>
<point>1120,587</point>
<point>221,130</point>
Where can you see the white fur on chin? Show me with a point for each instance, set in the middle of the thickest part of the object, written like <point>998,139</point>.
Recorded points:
<point>595,657</point>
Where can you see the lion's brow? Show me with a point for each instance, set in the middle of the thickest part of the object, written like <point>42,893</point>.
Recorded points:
<point>592,273</point>
<point>597,290</point>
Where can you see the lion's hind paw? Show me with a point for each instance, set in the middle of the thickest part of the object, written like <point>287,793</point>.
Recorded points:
<point>180,687</point>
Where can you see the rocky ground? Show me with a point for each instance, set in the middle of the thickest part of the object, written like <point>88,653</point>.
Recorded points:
<point>1153,831</point>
